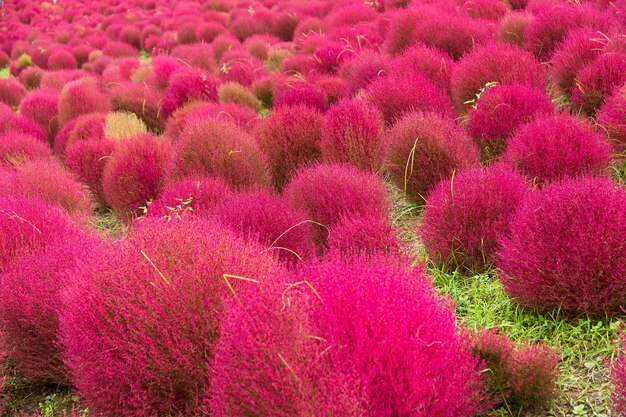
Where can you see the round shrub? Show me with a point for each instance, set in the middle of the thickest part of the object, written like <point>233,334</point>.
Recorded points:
<point>597,81</point>
<point>429,62</point>
<point>123,125</point>
<point>134,174</point>
<point>290,137</point>
<point>555,147</point>
<point>352,132</point>
<point>423,149</point>
<point>300,94</point>
<point>281,229</point>
<point>87,159</point>
<point>142,100</point>
<point>139,322</point>
<point>29,303</point>
<point>513,26</point>
<point>42,106</point>
<point>358,235</point>
<point>13,123</point>
<point>81,97</point>
<point>17,148</point>
<point>195,196</point>
<point>465,216</point>
<point>565,248</point>
<point>493,10</point>
<point>364,69</point>
<point>234,93</point>
<point>329,192</point>
<point>396,96</point>
<point>214,147</point>
<point>61,59</point>
<point>28,224</point>
<point>11,91</point>
<point>611,117</point>
<point>31,77</point>
<point>500,111</point>
<point>494,63</point>
<point>188,85</point>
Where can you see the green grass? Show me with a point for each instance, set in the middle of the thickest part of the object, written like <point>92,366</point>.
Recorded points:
<point>4,72</point>
<point>585,344</point>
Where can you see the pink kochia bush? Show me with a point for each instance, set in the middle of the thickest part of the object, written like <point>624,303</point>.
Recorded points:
<point>500,111</point>
<point>358,235</point>
<point>389,344</point>
<point>279,227</point>
<point>519,374</point>
<point>17,148</point>
<point>465,216</point>
<point>352,132</point>
<point>134,174</point>
<point>81,97</point>
<point>11,92</point>
<point>139,321</point>
<point>196,196</point>
<point>423,149</point>
<point>29,303</point>
<point>290,137</point>
<point>188,85</point>
<point>27,224</point>
<point>42,106</point>
<point>565,249</point>
<point>329,192</point>
<point>214,147</point>
<point>612,118</point>
<point>597,81</point>
<point>559,146</point>
<point>494,63</point>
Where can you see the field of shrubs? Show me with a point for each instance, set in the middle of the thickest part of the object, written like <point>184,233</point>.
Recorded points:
<point>312,208</point>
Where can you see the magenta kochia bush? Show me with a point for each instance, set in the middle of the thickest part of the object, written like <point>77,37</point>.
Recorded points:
<point>358,235</point>
<point>81,97</point>
<point>519,374</point>
<point>188,85</point>
<point>558,146</point>
<point>611,117</point>
<point>87,159</point>
<point>134,174</point>
<point>390,345</point>
<point>139,322</point>
<point>465,216</point>
<point>500,111</point>
<point>27,224</point>
<point>42,106</point>
<point>494,63</point>
<point>290,137</point>
<point>29,303</point>
<point>423,149</point>
<point>17,148</point>
<point>597,81</point>
<point>352,132</point>
<point>566,248</point>
<point>214,147</point>
<point>398,95</point>
<point>189,196</point>
<point>329,192</point>
<point>11,91</point>
<point>280,228</point>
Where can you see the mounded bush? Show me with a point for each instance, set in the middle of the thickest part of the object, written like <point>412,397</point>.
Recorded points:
<point>423,149</point>
<point>358,235</point>
<point>42,106</point>
<point>555,147</point>
<point>290,137</point>
<point>611,117</point>
<point>214,147</point>
<point>565,248</point>
<point>17,149</point>
<point>11,92</point>
<point>81,97</point>
<point>87,159</point>
<point>139,325</point>
<point>188,85</point>
<point>465,216</point>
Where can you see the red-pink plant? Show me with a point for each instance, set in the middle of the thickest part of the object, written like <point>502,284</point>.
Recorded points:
<point>329,192</point>
<point>597,81</point>
<point>398,95</point>
<point>357,235</point>
<point>29,303</point>
<point>465,216</point>
<point>519,374</point>
<point>423,149</point>
<point>279,227</point>
<point>87,159</point>
<point>81,97</point>
<point>17,148</point>
<point>42,106</point>
<point>493,10</point>
<point>611,117</point>
<point>140,99</point>
<point>31,77</point>
<point>363,70</point>
<point>558,146</point>
<point>299,94</point>
<point>61,59</point>
<point>565,248</point>
<point>13,123</point>
<point>215,147</point>
<point>352,132</point>
<point>290,137</point>
<point>140,320</point>
<point>513,26</point>
<point>119,49</point>
<point>134,174</point>
<point>500,111</point>
<point>195,196</point>
<point>188,85</point>
<point>27,224</point>
<point>494,63</point>
<point>11,92</point>
<point>430,62</point>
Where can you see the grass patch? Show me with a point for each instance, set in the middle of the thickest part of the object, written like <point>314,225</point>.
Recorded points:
<point>585,344</point>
